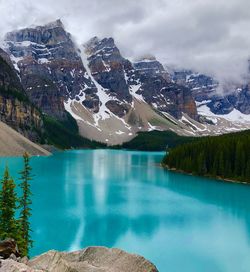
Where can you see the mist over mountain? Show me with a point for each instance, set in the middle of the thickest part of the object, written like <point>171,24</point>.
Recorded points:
<point>206,36</point>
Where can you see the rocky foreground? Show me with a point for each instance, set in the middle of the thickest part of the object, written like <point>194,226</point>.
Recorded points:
<point>91,259</point>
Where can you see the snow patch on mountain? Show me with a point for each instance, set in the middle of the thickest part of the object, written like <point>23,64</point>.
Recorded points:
<point>104,112</point>
<point>233,116</point>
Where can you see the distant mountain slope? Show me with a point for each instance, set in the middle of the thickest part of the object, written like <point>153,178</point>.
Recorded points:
<point>219,100</point>
<point>13,143</point>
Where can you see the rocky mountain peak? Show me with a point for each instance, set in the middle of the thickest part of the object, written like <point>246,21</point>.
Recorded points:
<point>92,43</point>
<point>45,57</point>
<point>107,66</point>
<point>146,57</point>
<point>50,33</point>
<point>99,46</point>
<point>57,23</point>
<point>148,65</point>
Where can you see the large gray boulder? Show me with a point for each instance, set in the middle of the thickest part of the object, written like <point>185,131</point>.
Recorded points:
<point>91,259</point>
<point>10,265</point>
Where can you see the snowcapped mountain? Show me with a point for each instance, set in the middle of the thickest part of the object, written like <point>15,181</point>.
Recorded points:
<point>110,97</point>
<point>49,65</point>
<point>232,104</point>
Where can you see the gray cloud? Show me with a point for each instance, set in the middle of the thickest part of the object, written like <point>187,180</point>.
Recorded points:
<point>211,36</point>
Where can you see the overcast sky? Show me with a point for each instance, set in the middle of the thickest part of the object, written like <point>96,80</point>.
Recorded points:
<point>211,36</point>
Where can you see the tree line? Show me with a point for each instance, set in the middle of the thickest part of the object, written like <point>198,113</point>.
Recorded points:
<point>155,141</point>
<point>226,156</point>
<point>15,210</point>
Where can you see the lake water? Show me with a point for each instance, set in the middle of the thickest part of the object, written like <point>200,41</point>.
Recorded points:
<point>124,199</point>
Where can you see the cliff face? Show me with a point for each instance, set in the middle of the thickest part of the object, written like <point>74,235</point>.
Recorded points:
<point>49,66</point>
<point>20,116</point>
<point>15,107</point>
<point>163,94</point>
<point>107,67</point>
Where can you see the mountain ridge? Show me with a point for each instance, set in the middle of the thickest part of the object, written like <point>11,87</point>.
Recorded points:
<point>110,97</point>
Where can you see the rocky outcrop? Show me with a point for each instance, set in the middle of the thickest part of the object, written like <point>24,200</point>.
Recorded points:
<point>92,259</point>
<point>150,66</point>
<point>240,99</point>
<point>8,247</point>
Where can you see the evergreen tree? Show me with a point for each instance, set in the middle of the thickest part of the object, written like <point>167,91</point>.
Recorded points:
<point>247,174</point>
<point>225,156</point>
<point>24,206</point>
<point>8,198</point>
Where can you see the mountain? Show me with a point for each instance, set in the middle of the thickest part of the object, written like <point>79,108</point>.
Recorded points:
<point>231,102</point>
<point>44,57</point>
<point>108,98</point>
<point>158,90</point>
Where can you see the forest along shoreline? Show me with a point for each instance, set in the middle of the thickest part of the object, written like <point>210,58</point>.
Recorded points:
<point>224,157</point>
<point>218,178</point>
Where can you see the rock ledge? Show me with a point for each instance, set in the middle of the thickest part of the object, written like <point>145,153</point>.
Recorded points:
<point>91,259</point>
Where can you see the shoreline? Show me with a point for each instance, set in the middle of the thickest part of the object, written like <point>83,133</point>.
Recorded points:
<point>217,178</point>
<point>52,149</point>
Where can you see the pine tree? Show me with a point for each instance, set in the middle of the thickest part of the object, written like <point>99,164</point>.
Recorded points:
<point>226,156</point>
<point>8,198</point>
<point>24,206</point>
<point>247,174</point>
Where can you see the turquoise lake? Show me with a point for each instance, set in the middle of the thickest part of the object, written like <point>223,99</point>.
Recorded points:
<point>125,199</point>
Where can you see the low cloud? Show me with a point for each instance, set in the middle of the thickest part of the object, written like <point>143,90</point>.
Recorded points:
<point>208,36</point>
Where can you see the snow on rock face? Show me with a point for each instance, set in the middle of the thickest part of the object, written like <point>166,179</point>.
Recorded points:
<point>103,97</point>
<point>150,66</point>
<point>234,96</point>
<point>160,92</point>
<point>107,102</point>
<point>233,116</point>
<point>145,80</point>
<point>107,67</point>
<point>50,68</point>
